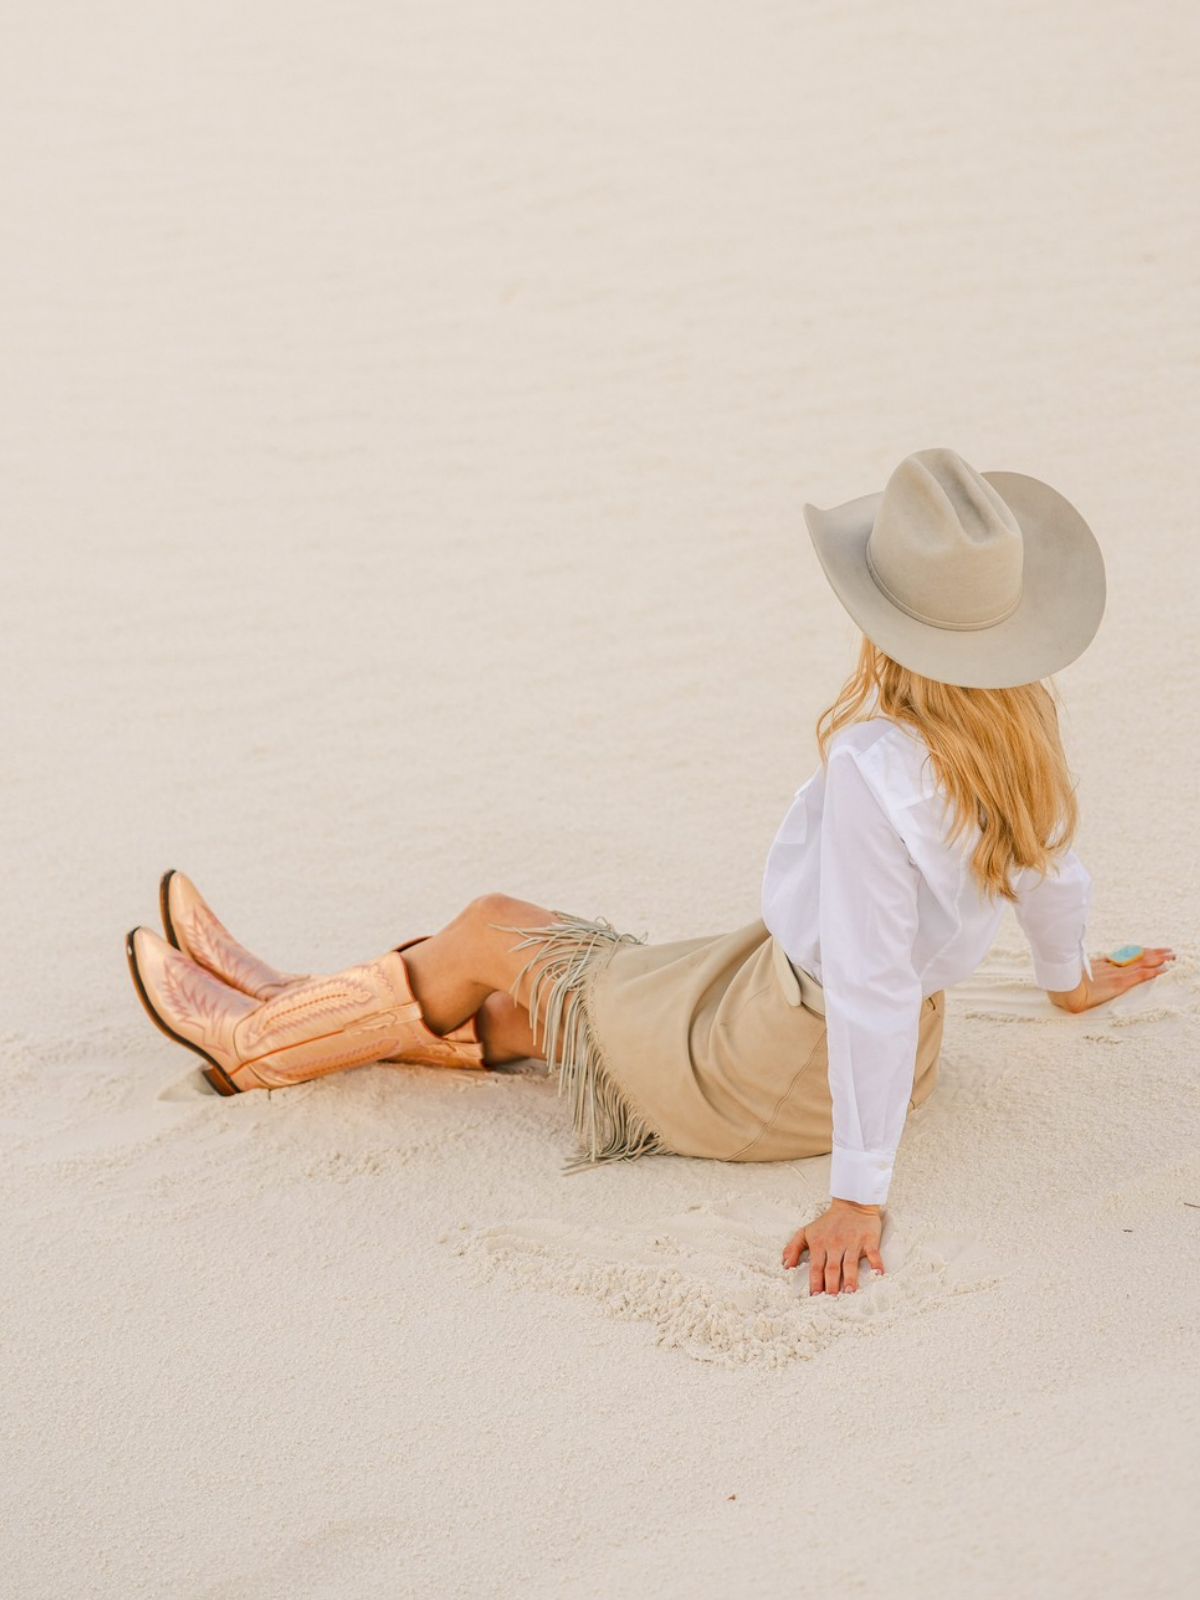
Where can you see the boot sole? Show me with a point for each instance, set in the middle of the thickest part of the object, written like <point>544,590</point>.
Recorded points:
<point>216,1075</point>
<point>164,885</point>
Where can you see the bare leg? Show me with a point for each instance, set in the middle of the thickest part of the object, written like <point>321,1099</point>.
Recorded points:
<point>460,970</point>
<point>478,965</point>
<point>505,1030</point>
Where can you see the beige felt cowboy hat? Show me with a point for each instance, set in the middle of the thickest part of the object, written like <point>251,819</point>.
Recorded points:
<point>985,579</point>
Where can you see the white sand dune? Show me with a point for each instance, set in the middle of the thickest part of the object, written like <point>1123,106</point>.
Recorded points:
<point>406,422</point>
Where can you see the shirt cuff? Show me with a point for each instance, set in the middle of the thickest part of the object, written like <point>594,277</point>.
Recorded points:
<point>860,1175</point>
<point>1063,975</point>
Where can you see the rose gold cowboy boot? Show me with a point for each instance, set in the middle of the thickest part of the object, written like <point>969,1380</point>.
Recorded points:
<point>193,927</point>
<point>366,1013</point>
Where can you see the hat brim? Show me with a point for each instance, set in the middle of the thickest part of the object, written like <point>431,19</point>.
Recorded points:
<point>1056,618</point>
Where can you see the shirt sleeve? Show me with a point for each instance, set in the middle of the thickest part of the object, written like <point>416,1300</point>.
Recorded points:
<point>1053,913</point>
<point>868,922</point>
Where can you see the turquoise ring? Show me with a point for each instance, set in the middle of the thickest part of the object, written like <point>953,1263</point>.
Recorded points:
<point>1126,955</point>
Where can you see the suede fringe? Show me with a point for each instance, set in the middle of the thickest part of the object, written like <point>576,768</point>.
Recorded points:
<point>608,1128</point>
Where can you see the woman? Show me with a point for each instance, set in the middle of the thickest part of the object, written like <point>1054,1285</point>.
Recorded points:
<point>943,794</point>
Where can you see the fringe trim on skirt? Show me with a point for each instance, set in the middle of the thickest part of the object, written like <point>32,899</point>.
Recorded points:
<point>604,1122</point>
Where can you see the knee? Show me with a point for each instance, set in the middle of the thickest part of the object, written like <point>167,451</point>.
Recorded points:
<point>494,910</point>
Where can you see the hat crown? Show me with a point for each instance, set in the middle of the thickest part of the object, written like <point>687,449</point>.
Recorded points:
<point>944,546</point>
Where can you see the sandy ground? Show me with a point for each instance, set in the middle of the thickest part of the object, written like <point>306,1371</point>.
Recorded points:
<point>406,418</point>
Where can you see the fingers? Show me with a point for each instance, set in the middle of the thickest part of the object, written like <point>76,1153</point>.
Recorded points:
<point>841,1271</point>
<point>1154,958</point>
<point>794,1249</point>
<point>1150,964</point>
<point>850,1271</point>
<point>874,1259</point>
<point>816,1272</point>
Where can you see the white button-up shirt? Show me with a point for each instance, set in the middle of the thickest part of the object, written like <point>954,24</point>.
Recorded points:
<point>863,891</point>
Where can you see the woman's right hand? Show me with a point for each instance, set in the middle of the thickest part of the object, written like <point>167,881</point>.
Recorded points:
<point>836,1241</point>
<point>1108,980</point>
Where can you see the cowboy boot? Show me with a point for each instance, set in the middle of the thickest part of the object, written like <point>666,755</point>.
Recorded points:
<point>366,1013</point>
<point>193,927</point>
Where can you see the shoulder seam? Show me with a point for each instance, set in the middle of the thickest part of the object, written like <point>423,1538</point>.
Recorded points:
<point>868,763</point>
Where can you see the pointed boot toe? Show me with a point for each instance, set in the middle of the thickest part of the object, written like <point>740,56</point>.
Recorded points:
<point>189,1005</point>
<point>194,928</point>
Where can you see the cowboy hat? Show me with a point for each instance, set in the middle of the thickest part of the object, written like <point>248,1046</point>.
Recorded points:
<point>985,579</point>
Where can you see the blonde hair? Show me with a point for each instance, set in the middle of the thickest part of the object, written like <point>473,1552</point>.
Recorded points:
<point>996,753</point>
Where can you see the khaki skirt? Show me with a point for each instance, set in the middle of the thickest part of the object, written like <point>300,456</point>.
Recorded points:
<point>703,1047</point>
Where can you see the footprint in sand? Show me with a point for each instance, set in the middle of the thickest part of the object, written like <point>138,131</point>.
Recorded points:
<point>191,1086</point>
<point>709,1282</point>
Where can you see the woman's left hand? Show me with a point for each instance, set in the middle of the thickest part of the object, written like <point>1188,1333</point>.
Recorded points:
<point>1109,980</point>
<point>835,1242</point>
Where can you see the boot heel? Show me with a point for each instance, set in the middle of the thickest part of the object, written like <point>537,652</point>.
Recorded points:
<point>220,1080</point>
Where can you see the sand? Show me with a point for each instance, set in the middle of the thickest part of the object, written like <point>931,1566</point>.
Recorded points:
<point>407,417</point>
